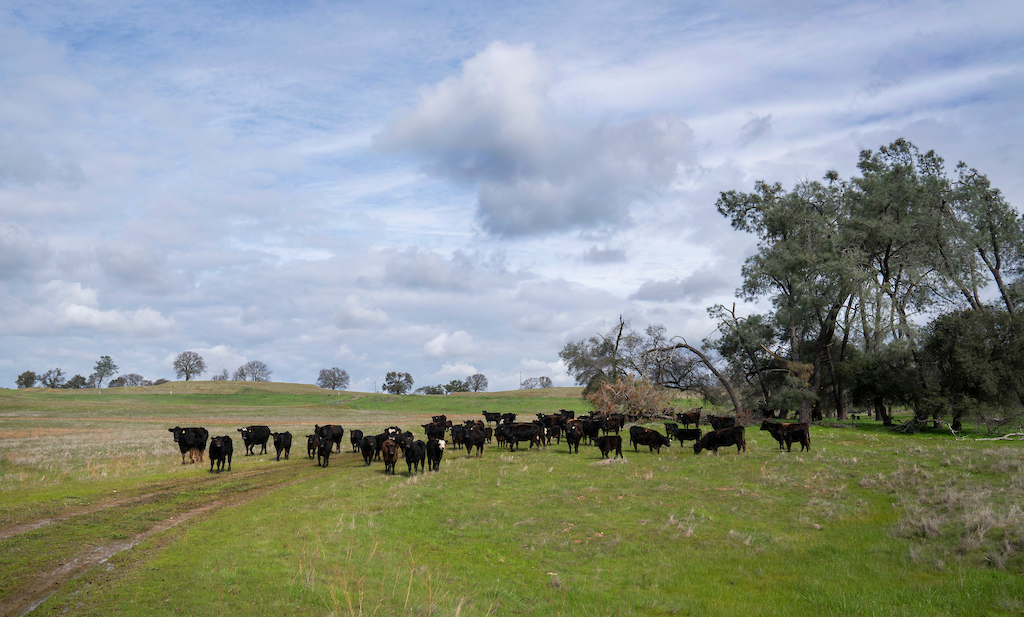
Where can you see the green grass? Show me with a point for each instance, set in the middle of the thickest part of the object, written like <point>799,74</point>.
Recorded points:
<point>867,523</point>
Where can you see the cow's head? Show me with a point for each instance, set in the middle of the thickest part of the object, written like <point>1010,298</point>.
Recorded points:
<point>176,431</point>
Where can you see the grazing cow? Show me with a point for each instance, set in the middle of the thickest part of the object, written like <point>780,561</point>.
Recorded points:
<point>192,441</point>
<point>389,452</point>
<point>573,436</point>
<point>641,436</point>
<point>720,422</point>
<point>491,416</point>
<point>714,440</point>
<point>435,450</point>
<point>333,432</point>
<point>507,418</point>
<point>324,447</point>
<point>282,442</point>
<point>220,450</point>
<point>311,443</point>
<point>253,436</point>
<point>474,437</point>
<point>355,436</point>
<point>607,443</point>
<point>368,447</point>
<point>416,454</point>
<point>689,417</point>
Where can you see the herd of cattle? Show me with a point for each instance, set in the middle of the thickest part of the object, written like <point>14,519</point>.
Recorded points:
<point>600,430</point>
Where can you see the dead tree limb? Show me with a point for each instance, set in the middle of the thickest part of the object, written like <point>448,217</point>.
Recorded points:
<point>707,363</point>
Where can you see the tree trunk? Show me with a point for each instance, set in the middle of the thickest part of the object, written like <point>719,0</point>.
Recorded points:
<point>711,367</point>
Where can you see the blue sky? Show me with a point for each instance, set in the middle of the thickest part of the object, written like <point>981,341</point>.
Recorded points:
<point>439,188</point>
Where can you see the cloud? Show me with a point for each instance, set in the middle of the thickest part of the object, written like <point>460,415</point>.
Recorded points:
<point>354,315</point>
<point>497,127</point>
<point>456,370</point>
<point>694,287</point>
<point>604,256</point>
<point>459,343</point>
<point>756,128</point>
<point>20,253</point>
<point>462,272</point>
<point>70,306</point>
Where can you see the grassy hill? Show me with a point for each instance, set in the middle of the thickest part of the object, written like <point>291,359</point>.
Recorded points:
<point>99,516</point>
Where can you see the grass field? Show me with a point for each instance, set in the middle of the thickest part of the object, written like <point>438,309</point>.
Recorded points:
<point>99,517</point>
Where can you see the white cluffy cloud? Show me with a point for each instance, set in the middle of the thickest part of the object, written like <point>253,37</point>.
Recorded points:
<point>497,126</point>
<point>444,345</point>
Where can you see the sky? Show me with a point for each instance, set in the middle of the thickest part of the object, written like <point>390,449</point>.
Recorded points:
<point>440,188</point>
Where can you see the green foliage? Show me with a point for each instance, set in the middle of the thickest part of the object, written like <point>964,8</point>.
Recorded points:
<point>398,383</point>
<point>26,379</point>
<point>456,385</point>
<point>104,368</point>
<point>76,383</point>
<point>976,359</point>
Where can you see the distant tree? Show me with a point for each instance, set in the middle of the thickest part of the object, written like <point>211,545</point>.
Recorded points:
<point>76,383</point>
<point>253,370</point>
<point>456,385</point>
<point>117,383</point>
<point>333,379</point>
<point>26,379</point>
<point>147,382</point>
<point>189,364</point>
<point>477,382</point>
<point>223,376</point>
<point>161,381</point>
<point>530,383</point>
<point>397,383</point>
<point>238,375</point>
<point>133,379</point>
<point>544,382</point>
<point>434,390</point>
<point>53,378</point>
<point>104,368</point>
<point>93,381</point>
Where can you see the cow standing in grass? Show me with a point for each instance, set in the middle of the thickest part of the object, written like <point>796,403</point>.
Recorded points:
<point>282,442</point>
<point>191,441</point>
<point>220,450</point>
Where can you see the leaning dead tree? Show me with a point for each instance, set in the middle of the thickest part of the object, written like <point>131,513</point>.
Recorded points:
<point>707,362</point>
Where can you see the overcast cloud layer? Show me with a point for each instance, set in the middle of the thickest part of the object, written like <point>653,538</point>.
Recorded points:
<point>439,189</point>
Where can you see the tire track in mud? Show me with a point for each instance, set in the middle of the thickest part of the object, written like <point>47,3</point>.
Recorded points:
<point>41,586</point>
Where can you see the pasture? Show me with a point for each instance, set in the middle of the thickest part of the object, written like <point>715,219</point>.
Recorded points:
<point>99,517</point>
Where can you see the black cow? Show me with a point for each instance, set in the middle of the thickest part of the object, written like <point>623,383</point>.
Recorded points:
<point>573,436</point>
<point>671,428</point>
<point>389,452</point>
<point>323,451</point>
<point>435,450</point>
<point>253,436</point>
<point>282,442</point>
<point>607,443</point>
<point>416,454</point>
<point>220,450</point>
<point>641,436</point>
<point>368,447</point>
<point>689,417</point>
<point>332,432</point>
<point>191,440</point>
<point>458,436</point>
<point>434,430</point>
<point>491,416</point>
<point>355,436</point>
<point>311,443</point>
<point>474,438</point>
<point>787,433</point>
<point>720,422</point>
<point>714,440</point>
<point>514,433</point>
